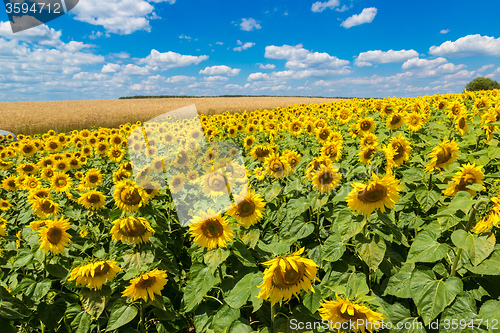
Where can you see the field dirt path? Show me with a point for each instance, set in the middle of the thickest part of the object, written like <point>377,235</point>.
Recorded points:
<point>38,117</point>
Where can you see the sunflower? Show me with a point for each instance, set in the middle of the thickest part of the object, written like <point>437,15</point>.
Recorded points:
<point>326,179</point>
<point>443,155</point>
<point>37,193</point>
<point>379,193</point>
<point>92,178</point>
<point>414,121</point>
<point>120,175</point>
<point>53,235</point>
<point>365,156</point>
<point>27,169</point>
<point>323,134</point>
<point>287,276</point>
<point>316,164</point>
<point>28,149</point>
<point>214,184</point>
<point>61,182</point>
<point>210,230</point>
<point>461,123</point>
<point>94,274</point>
<point>44,207</point>
<point>368,140</point>
<point>259,173</point>
<point>146,285</point>
<point>249,208</point>
<point>181,159</point>
<point>487,222</point>
<point>5,165</point>
<point>401,147</point>
<point>128,196</point>
<point>295,127</point>
<point>192,176</point>
<point>292,158</point>
<point>93,200</point>
<point>260,152</point>
<point>132,230</point>
<point>360,317</point>
<point>9,183</point>
<point>3,228</point>
<point>116,154</point>
<point>276,166</point>
<point>35,225</point>
<point>395,120</point>
<point>468,174</point>
<point>366,125</point>
<point>4,205</point>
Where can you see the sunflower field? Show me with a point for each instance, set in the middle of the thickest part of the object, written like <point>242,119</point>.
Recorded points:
<point>382,214</point>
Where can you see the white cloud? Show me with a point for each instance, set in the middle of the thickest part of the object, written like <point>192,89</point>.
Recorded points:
<point>243,46</point>
<point>220,70</point>
<point>318,7</point>
<point>380,57</point>
<point>485,67</point>
<point>216,78</point>
<point>495,74</point>
<point>468,46</point>
<point>342,9</point>
<point>249,24</point>
<point>428,68</point>
<point>219,43</point>
<point>110,68</point>
<point>366,16</point>
<point>42,34</point>
<point>267,66</point>
<point>299,58</point>
<point>444,31</point>
<point>180,79</point>
<point>185,37</point>
<point>117,16</point>
<point>171,59</point>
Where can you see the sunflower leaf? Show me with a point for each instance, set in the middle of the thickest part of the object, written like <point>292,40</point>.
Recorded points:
<point>121,314</point>
<point>478,247</point>
<point>425,248</point>
<point>199,283</point>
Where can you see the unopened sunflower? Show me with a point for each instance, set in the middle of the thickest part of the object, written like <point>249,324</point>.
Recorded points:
<point>53,235</point>
<point>379,193</point>
<point>132,230</point>
<point>360,317</point>
<point>468,174</point>
<point>249,208</point>
<point>287,276</point>
<point>147,285</point>
<point>94,274</point>
<point>210,230</point>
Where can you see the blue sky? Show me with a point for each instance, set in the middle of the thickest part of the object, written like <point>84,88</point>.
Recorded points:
<point>349,48</point>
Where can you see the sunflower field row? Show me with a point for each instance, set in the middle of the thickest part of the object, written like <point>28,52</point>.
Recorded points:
<point>379,214</point>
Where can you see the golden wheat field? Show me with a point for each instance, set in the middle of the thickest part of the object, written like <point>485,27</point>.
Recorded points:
<point>39,117</point>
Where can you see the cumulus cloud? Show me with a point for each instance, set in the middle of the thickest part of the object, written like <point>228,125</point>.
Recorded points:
<point>366,16</point>
<point>319,6</point>
<point>110,68</point>
<point>468,46</point>
<point>220,70</point>
<point>117,16</point>
<point>171,59</point>
<point>41,34</point>
<point>432,67</point>
<point>248,24</point>
<point>380,57</point>
<point>266,66</point>
<point>299,58</point>
<point>242,46</point>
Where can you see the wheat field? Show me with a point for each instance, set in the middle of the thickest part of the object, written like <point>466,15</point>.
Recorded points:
<point>39,117</point>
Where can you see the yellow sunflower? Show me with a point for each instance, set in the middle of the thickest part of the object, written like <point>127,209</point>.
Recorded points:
<point>379,193</point>
<point>9,183</point>
<point>214,184</point>
<point>461,123</point>
<point>366,125</point>
<point>249,141</point>
<point>276,166</point>
<point>401,147</point>
<point>147,285</point>
<point>365,156</point>
<point>132,230</point>
<point>248,210</point>
<point>395,120</point>
<point>45,207</point>
<point>92,200</point>
<point>53,235</point>
<point>210,230</point>
<point>259,173</point>
<point>443,155</point>
<point>326,179</point>
<point>128,196</point>
<point>414,121</point>
<point>368,140</point>
<point>468,174</point>
<point>360,317</point>
<point>287,276</point>
<point>260,152</point>
<point>4,205</point>
<point>95,274</point>
<point>3,227</point>
<point>61,182</point>
<point>92,178</point>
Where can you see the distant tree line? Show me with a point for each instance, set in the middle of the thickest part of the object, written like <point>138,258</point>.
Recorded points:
<point>190,96</point>
<point>482,83</point>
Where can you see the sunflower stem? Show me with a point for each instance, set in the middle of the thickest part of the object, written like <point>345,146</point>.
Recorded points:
<point>141,314</point>
<point>273,312</point>
<point>429,185</point>
<point>467,228</point>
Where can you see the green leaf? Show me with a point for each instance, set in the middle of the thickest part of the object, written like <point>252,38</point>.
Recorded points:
<point>432,296</point>
<point>81,323</point>
<point>7,327</point>
<point>463,308</point>
<point>121,314</point>
<point>489,266</point>
<point>311,299</point>
<point>297,230</point>
<point>400,313</point>
<point>273,192</point>
<point>478,247</point>
<point>94,301</point>
<point>295,207</point>
<point>51,314</point>
<point>371,251</point>
<point>490,311</point>
<point>347,225</point>
<point>41,289</point>
<point>199,283</point>
<point>215,257</point>
<point>240,326</point>
<point>224,317</point>
<point>425,248</point>
<point>333,248</point>
<point>242,290</point>
<point>57,270</point>
<point>11,308</point>
<point>243,254</point>
<point>399,283</point>
<point>22,259</point>
<point>427,199</point>
<point>356,285</point>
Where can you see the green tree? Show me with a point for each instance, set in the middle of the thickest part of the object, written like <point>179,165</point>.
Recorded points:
<point>482,83</point>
